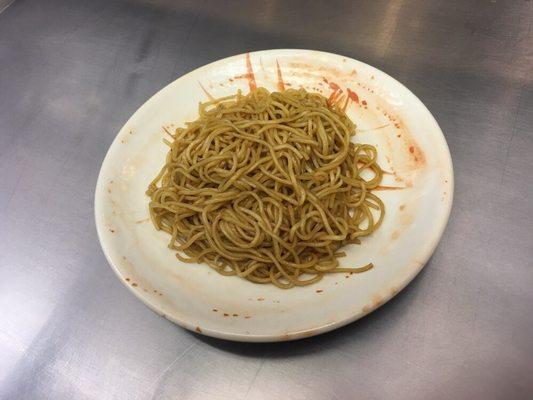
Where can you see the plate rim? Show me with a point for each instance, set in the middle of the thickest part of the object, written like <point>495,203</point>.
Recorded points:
<point>439,225</point>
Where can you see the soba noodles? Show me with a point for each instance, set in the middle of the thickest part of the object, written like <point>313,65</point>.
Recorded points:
<point>267,186</point>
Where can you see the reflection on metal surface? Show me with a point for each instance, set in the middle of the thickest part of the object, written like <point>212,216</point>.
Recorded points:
<point>388,26</point>
<point>4,4</point>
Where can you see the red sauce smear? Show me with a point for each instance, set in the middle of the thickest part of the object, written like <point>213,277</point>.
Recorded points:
<point>281,85</point>
<point>411,149</point>
<point>250,73</point>
<point>331,99</point>
<point>353,96</point>
<point>335,96</point>
<point>345,106</point>
<point>336,92</point>
<point>334,86</point>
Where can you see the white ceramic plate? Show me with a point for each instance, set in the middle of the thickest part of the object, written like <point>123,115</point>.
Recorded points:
<point>417,193</point>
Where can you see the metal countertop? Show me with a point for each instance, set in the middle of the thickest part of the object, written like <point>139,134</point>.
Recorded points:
<point>72,72</point>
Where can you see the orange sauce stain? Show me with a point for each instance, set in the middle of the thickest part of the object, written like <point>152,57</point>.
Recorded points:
<point>336,96</point>
<point>345,106</point>
<point>353,96</point>
<point>377,300</point>
<point>281,85</point>
<point>334,86</point>
<point>250,73</point>
<point>332,97</point>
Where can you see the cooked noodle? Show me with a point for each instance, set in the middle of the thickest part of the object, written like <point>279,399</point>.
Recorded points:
<point>267,186</point>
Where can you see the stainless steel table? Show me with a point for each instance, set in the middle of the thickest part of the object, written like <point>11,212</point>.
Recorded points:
<point>72,72</point>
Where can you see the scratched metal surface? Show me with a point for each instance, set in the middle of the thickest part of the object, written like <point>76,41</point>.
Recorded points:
<point>72,72</point>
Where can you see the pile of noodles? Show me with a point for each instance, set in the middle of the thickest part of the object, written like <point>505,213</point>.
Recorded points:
<point>267,186</point>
